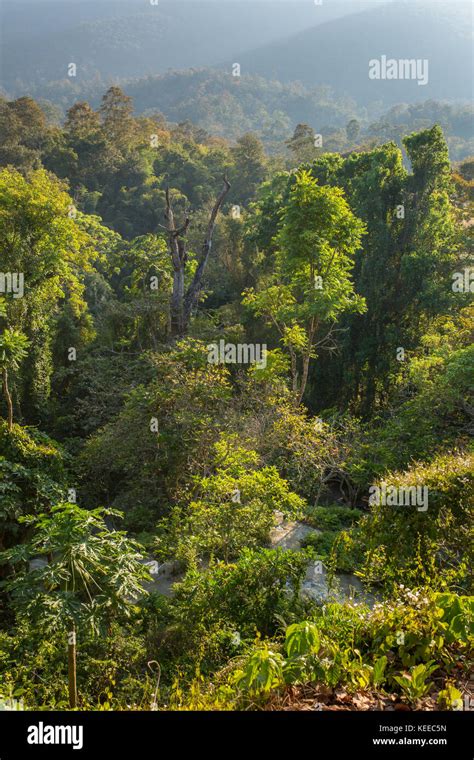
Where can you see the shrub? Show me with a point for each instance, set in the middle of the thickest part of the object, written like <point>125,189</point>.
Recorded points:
<point>398,644</point>
<point>32,477</point>
<point>430,547</point>
<point>333,518</point>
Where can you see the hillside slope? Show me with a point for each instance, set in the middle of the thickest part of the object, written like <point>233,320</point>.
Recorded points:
<point>337,53</point>
<point>133,38</point>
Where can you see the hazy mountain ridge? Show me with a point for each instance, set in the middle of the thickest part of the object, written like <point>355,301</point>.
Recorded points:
<point>277,40</point>
<point>337,53</point>
<point>318,76</point>
<point>136,39</point>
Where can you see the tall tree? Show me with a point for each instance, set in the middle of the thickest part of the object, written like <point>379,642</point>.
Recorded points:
<point>41,244</point>
<point>250,167</point>
<point>302,143</point>
<point>24,133</point>
<point>185,300</point>
<point>13,345</point>
<point>81,120</point>
<point>117,118</point>
<point>317,240</point>
<point>404,268</point>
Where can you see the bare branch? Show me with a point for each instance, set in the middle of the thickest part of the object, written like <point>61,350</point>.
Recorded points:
<point>194,290</point>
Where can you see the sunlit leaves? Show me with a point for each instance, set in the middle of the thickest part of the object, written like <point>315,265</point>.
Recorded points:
<point>263,671</point>
<point>91,573</point>
<point>302,638</point>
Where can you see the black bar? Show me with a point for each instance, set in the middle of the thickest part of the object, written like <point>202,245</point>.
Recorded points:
<point>142,735</point>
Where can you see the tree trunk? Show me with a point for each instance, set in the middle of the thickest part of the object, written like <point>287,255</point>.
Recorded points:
<point>182,304</point>
<point>304,378</point>
<point>8,399</point>
<point>177,298</point>
<point>177,245</point>
<point>191,299</point>
<point>72,682</point>
<point>306,358</point>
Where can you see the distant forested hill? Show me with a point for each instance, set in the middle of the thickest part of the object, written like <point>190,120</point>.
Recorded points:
<point>229,107</point>
<point>279,40</point>
<point>132,38</point>
<point>337,53</point>
<point>300,63</point>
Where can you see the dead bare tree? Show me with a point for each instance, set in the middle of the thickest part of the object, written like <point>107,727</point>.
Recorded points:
<point>183,302</point>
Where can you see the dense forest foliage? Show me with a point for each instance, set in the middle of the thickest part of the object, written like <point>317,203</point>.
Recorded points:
<point>300,62</point>
<point>228,107</point>
<point>203,342</point>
